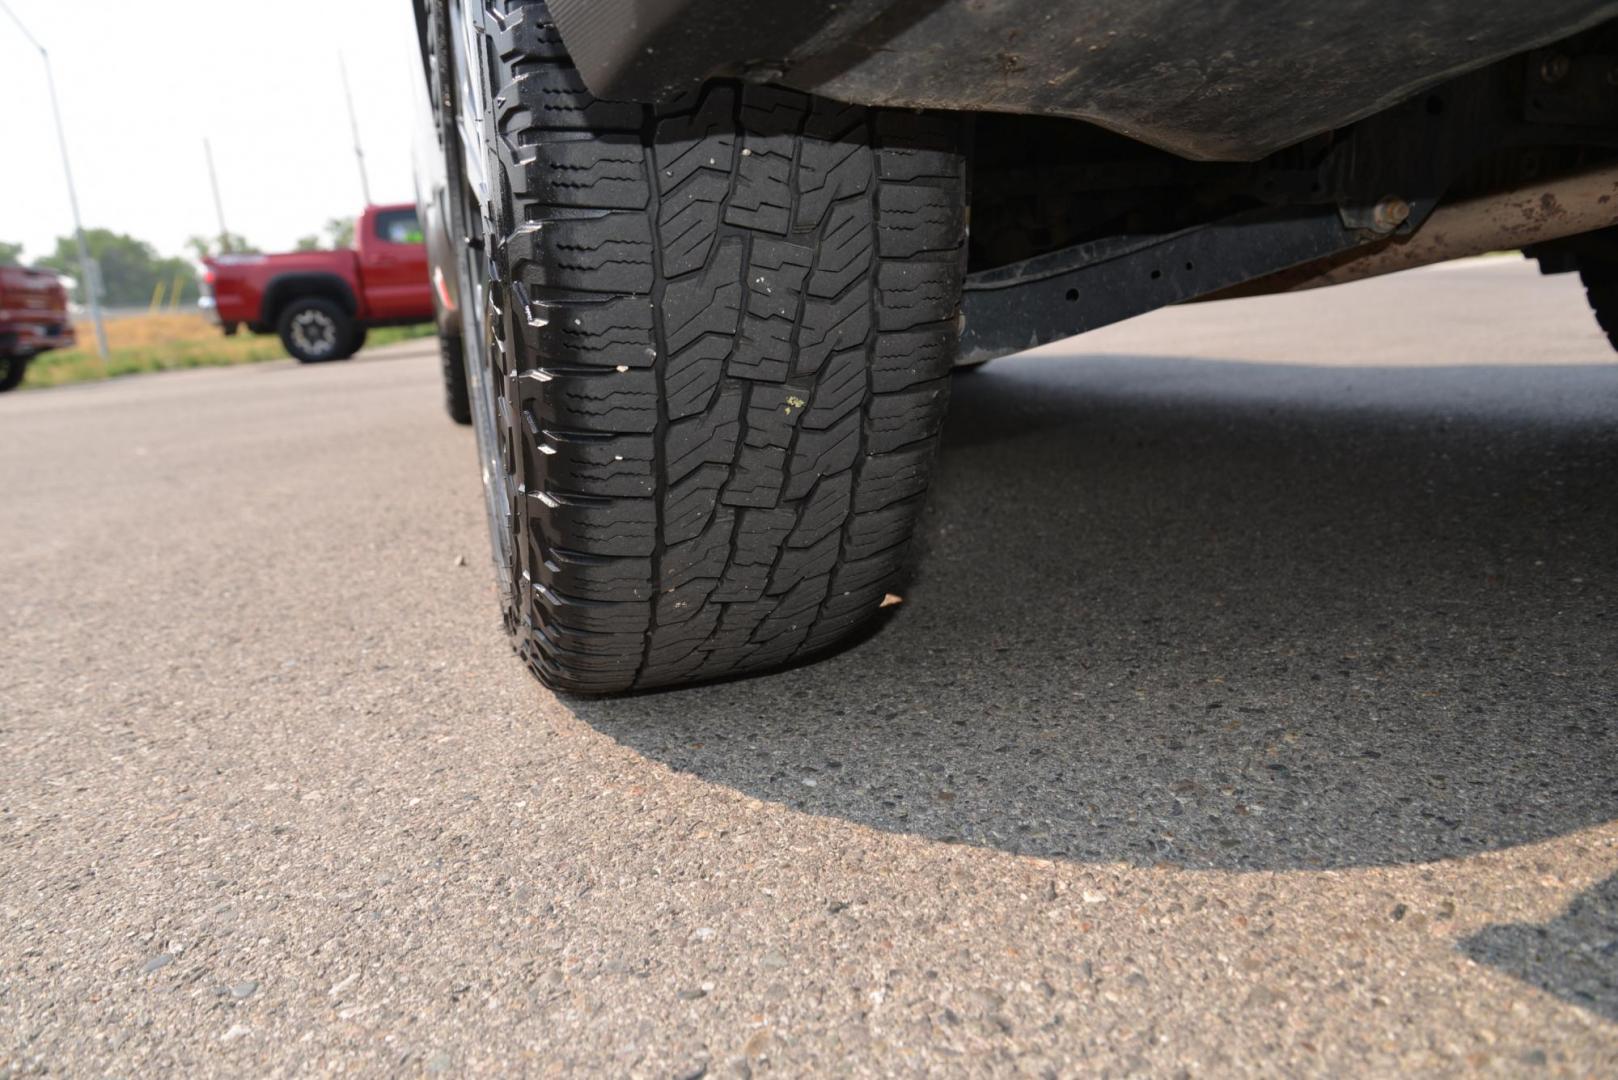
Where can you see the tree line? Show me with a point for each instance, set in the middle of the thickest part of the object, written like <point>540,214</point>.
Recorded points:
<point>132,269</point>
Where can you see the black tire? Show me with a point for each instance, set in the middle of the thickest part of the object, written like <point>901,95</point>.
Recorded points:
<point>12,370</point>
<point>1600,279</point>
<point>314,330</point>
<point>719,343</point>
<point>356,340</point>
<point>452,355</point>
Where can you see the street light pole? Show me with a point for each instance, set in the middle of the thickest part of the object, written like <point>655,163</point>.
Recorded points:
<point>218,206</point>
<point>90,279</point>
<point>354,126</point>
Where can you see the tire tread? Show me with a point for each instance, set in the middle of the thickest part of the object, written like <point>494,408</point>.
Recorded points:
<point>727,325</point>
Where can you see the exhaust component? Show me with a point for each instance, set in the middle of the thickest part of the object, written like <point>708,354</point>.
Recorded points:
<point>1504,221</point>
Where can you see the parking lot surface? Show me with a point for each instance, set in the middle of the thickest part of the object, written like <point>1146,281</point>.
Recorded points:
<point>1254,710</point>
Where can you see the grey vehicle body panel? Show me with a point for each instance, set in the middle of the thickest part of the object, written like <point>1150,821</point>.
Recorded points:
<point>1206,79</point>
<point>427,152</point>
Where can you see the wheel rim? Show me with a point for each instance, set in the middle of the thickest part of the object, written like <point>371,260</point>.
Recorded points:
<point>486,381</point>
<point>314,332</point>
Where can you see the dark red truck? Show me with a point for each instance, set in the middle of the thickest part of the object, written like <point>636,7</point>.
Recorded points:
<point>322,302</point>
<point>33,318</point>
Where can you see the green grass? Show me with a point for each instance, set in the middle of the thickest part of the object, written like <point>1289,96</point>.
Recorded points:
<point>145,343</point>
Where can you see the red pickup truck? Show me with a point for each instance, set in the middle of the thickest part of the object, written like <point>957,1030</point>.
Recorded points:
<point>33,318</point>
<point>322,302</point>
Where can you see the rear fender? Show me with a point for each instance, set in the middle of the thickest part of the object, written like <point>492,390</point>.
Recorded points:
<point>285,288</point>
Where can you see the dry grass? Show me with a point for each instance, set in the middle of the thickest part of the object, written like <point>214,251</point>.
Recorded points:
<point>141,343</point>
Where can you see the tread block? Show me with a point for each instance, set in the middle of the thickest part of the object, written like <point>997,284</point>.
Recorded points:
<point>824,512</point>
<point>843,602</point>
<point>691,503</point>
<point>609,252</point>
<point>905,416</point>
<point>775,277</point>
<point>830,326</point>
<point>708,439</point>
<point>605,332</point>
<point>758,539</point>
<point>873,572</point>
<point>912,219</point>
<point>591,578</point>
<point>528,33</point>
<point>918,146</point>
<point>904,359</point>
<point>734,634</point>
<point>704,138</point>
<point>887,478</point>
<point>841,390</point>
<point>835,164</point>
<point>688,222</point>
<point>604,401</point>
<point>762,196</point>
<point>592,650</point>
<point>797,564</point>
<point>705,555</point>
<point>793,615</point>
<point>772,416</point>
<point>553,97</point>
<point>872,531</point>
<point>584,618</point>
<point>590,173</point>
<point>684,603</point>
<point>596,527</point>
<point>705,304</point>
<point>916,293</point>
<point>684,623</point>
<point>690,379</point>
<point>621,466</point>
<point>819,455</point>
<point>844,256</point>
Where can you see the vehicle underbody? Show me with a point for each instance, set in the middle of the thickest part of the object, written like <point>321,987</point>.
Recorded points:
<point>1146,154</point>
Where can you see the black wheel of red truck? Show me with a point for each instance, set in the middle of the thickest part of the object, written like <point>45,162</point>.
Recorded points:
<point>356,340</point>
<point>12,370</point>
<point>314,329</point>
<point>711,355</point>
<point>452,355</point>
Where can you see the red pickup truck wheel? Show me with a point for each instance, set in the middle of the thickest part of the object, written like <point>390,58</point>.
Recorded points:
<point>715,358</point>
<point>314,329</point>
<point>12,370</point>
<point>453,360</point>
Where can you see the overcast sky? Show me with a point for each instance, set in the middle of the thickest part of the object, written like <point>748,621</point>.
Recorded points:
<point>143,81</point>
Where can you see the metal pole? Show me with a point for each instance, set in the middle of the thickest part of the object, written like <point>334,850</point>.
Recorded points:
<point>91,280</point>
<point>218,206</point>
<point>354,126</point>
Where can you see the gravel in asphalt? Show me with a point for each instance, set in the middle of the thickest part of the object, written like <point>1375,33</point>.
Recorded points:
<point>1254,710</point>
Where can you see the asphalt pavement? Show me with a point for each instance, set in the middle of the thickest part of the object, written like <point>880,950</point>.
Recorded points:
<point>1254,711</point>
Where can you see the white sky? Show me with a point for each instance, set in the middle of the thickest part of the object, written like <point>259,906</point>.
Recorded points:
<point>143,81</point>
